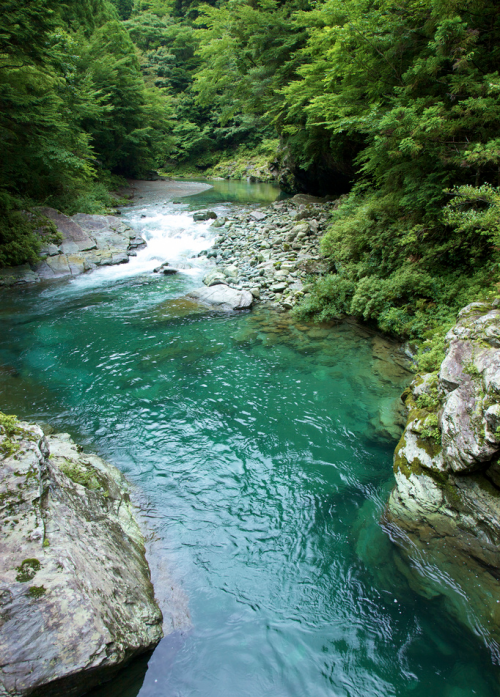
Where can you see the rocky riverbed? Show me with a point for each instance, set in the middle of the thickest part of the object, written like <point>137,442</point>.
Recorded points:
<point>76,598</point>
<point>272,251</point>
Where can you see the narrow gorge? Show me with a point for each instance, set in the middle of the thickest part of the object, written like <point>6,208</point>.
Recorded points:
<point>261,445</point>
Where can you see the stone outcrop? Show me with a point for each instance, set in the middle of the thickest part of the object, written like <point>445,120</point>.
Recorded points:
<point>76,599</point>
<point>444,512</point>
<point>88,241</point>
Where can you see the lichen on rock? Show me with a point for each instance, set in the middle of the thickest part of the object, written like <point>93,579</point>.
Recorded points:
<point>76,599</point>
<point>445,507</point>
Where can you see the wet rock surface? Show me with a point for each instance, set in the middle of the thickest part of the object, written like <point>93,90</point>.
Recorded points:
<point>76,599</point>
<point>88,242</point>
<point>222,297</point>
<point>445,508</point>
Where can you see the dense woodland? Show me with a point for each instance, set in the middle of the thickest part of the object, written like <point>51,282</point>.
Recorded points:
<point>392,105</point>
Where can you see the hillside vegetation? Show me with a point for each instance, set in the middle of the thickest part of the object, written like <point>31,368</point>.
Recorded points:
<point>392,105</point>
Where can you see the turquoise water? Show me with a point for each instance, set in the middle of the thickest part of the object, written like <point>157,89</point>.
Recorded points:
<point>261,448</point>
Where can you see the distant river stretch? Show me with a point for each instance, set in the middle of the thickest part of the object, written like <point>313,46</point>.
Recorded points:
<point>262,449</point>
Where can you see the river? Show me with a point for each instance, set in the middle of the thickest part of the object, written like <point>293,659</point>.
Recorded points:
<point>261,451</point>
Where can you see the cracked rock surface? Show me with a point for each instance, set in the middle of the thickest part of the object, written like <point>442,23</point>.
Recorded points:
<point>76,599</point>
<point>444,511</point>
<point>88,241</point>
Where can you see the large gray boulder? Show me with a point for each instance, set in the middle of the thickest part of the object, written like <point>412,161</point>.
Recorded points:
<point>76,599</point>
<point>444,511</point>
<point>222,297</point>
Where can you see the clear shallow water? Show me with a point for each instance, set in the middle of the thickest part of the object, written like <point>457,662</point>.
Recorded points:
<point>259,447</point>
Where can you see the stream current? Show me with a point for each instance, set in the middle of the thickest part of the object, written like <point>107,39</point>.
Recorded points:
<point>262,452</point>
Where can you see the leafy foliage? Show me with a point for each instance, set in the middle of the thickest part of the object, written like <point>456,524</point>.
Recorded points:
<point>396,102</point>
<point>73,106</point>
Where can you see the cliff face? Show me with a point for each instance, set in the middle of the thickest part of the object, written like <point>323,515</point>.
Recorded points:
<point>445,509</point>
<point>76,600</point>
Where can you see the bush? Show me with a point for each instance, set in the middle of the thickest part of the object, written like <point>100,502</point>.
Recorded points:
<point>23,231</point>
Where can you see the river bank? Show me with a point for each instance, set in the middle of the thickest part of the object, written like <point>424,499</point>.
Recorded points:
<point>271,251</point>
<point>444,512</point>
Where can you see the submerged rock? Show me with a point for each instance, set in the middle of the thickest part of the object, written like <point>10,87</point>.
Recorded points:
<point>445,508</point>
<point>76,599</point>
<point>222,297</point>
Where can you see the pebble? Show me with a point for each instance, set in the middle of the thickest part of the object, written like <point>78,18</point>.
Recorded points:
<point>271,251</point>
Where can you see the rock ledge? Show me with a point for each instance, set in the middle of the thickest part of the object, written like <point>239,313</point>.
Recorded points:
<point>76,599</point>
<point>444,512</point>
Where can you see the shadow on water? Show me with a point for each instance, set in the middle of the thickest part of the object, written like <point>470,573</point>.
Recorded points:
<point>134,678</point>
<point>128,682</point>
<point>235,192</point>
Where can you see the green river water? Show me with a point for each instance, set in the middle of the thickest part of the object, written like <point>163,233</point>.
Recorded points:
<point>259,450</point>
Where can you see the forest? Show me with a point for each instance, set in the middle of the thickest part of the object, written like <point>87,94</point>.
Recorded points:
<point>391,107</point>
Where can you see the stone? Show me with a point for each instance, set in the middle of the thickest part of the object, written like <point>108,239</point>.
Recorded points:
<point>59,266</point>
<point>18,275</point>
<point>445,507</point>
<point>279,287</point>
<point>50,250</point>
<point>70,247</point>
<point>220,222</point>
<point>231,272</point>
<point>169,271</point>
<point>305,198</point>
<point>201,216</point>
<point>76,263</point>
<point>214,278</point>
<point>301,229</point>
<point>76,596</point>
<point>222,297</point>
<point>258,215</point>
<point>69,228</point>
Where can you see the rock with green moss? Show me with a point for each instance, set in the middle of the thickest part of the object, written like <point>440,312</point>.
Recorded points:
<point>85,242</point>
<point>445,509</point>
<point>76,599</point>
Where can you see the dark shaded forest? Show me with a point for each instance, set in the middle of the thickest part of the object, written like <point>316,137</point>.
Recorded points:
<point>393,106</point>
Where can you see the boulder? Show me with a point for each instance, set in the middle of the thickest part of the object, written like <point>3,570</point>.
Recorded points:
<point>222,297</point>
<point>232,272</point>
<point>50,250</point>
<point>258,215</point>
<point>445,507</point>
<point>70,230</point>
<point>19,275</point>
<point>76,599</point>
<point>201,216</point>
<point>88,241</point>
<point>305,199</point>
